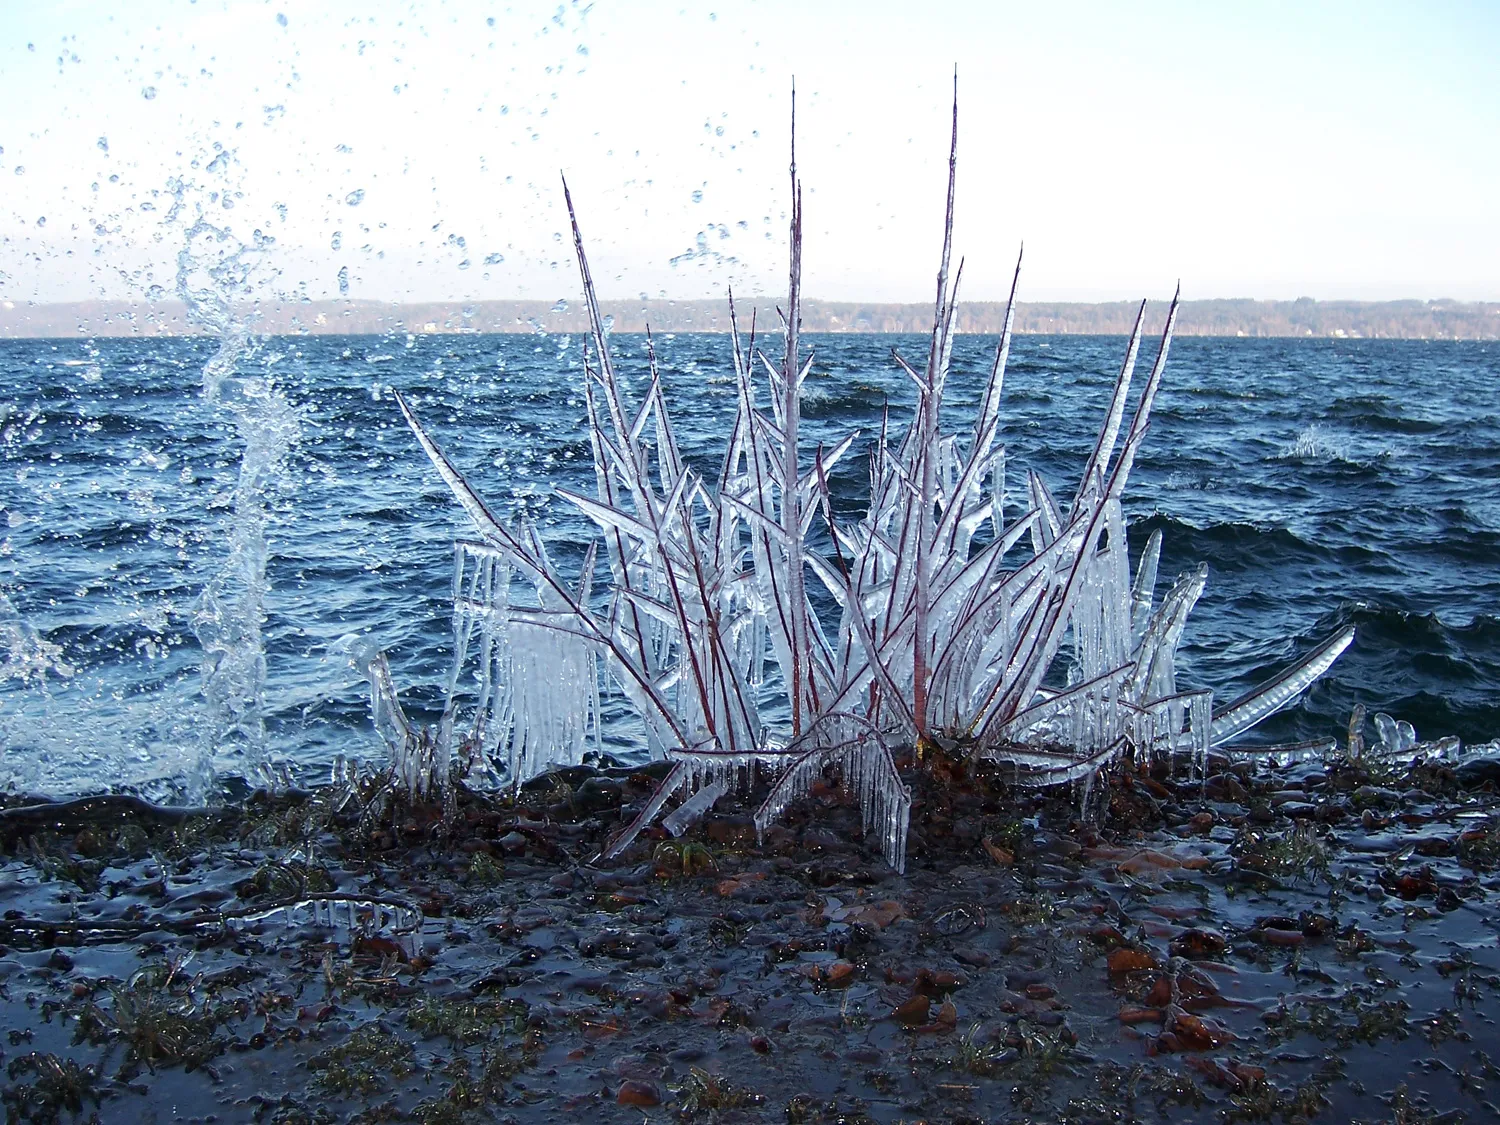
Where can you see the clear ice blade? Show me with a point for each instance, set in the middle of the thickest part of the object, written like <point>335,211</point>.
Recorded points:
<point>687,814</point>
<point>1143,593</point>
<point>1267,698</point>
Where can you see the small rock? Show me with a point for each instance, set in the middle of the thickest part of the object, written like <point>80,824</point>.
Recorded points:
<point>635,1092</point>
<point>1132,960</point>
<point>736,830</point>
<point>821,839</point>
<point>1478,770</point>
<point>597,794</point>
<point>1273,936</point>
<point>1199,944</point>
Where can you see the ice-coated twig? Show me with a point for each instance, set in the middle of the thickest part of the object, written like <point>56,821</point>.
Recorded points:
<point>1268,698</point>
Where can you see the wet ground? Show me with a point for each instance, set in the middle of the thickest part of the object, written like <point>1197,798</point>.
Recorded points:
<point>1277,944</point>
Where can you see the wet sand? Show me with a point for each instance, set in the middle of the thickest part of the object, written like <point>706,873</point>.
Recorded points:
<point>1268,944</point>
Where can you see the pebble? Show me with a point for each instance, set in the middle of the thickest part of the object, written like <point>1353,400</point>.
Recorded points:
<point>638,1093</point>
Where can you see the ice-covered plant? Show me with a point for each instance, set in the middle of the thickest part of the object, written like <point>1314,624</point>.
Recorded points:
<point>947,618</point>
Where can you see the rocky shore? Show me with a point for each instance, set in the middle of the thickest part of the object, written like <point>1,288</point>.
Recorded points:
<point>1277,944</point>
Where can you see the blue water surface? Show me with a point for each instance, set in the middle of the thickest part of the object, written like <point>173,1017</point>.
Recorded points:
<point>1323,481</point>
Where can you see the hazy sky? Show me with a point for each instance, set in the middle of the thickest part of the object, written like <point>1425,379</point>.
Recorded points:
<point>1265,150</point>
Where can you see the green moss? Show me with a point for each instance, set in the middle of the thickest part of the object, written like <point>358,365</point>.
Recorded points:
<point>467,1021</point>
<point>284,880</point>
<point>472,1091</point>
<point>161,1018</point>
<point>1294,855</point>
<point>484,870</point>
<point>974,1056</point>
<point>363,1063</point>
<point>704,1093</point>
<point>59,1084</point>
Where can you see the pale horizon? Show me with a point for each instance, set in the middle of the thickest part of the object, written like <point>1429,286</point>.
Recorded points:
<point>1339,151</point>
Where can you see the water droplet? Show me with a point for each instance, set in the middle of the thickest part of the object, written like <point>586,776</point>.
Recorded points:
<point>337,242</point>
<point>103,143</point>
<point>41,220</point>
<point>155,293</point>
<point>561,305</point>
<point>343,281</point>
<point>149,93</point>
<point>493,259</point>
<point>20,169</point>
<point>463,265</point>
<point>490,22</point>
<point>697,197</point>
<point>355,198</point>
<point>281,18</point>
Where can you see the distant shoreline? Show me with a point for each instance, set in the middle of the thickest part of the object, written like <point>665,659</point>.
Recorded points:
<point>1407,320</point>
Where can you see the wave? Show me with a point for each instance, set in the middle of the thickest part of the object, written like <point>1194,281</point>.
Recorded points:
<point>1443,678</point>
<point>855,398</point>
<point>1236,546</point>
<point>1372,412</point>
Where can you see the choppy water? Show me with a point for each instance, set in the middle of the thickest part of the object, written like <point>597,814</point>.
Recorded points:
<point>1323,482</point>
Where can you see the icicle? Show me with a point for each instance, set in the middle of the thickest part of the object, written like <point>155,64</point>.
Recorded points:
<point>1143,593</point>
<point>1395,737</point>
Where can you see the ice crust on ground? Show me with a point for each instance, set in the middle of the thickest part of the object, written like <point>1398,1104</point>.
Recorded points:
<point>945,629</point>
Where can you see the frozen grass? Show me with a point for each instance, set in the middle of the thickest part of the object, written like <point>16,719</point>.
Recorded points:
<point>950,610</point>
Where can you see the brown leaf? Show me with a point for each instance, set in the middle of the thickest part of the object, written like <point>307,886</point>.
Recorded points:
<point>1002,857</point>
<point>1198,1034</point>
<point>838,974</point>
<point>914,1012</point>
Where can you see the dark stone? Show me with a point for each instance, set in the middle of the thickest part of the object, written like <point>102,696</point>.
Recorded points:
<point>820,839</point>
<point>1478,770</point>
<point>597,794</point>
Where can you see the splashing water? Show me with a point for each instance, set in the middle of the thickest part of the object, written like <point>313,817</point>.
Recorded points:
<point>213,267</point>
<point>1316,443</point>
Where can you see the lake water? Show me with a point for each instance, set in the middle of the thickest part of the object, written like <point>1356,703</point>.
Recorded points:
<point>1324,482</point>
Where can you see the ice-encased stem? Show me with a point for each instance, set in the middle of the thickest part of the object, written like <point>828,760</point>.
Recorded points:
<point>1266,699</point>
